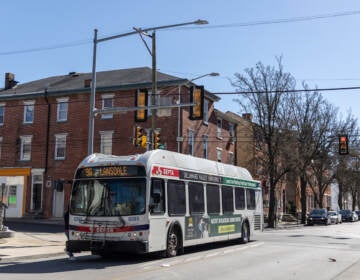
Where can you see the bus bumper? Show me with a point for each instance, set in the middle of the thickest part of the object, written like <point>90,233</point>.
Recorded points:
<point>138,247</point>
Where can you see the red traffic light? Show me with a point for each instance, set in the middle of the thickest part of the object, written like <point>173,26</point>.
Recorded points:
<point>343,144</point>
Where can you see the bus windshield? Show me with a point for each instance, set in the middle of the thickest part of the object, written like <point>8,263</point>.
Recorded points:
<point>108,197</point>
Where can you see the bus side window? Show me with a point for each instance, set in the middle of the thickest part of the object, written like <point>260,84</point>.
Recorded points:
<point>239,198</point>
<point>157,197</point>
<point>196,198</point>
<point>213,199</point>
<point>250,199</point>
<point>176,198</point>
<point>227,199</point>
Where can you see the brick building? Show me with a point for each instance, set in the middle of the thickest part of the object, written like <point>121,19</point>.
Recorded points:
<point>44,131</point>
<point>249,154</point>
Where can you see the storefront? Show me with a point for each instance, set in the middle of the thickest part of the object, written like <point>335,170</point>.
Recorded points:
<point>13,182</point>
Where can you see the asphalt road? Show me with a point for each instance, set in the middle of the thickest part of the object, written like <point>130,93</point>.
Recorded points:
<point>318,252</point>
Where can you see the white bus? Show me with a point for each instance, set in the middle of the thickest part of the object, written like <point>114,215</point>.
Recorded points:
<point>160,201</point>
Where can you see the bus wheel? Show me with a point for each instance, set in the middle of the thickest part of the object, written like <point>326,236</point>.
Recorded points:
<point>245,233</point>
<point>172,244</point>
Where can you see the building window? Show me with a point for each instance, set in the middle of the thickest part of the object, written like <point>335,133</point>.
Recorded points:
<point>164,101</point>
<point>2,113</point>
<point>218,154</point>
<point>231,132</point>
<point>1,140</point>
<point>205,146</point>
<point>219,128</point>
<point>25,149</point>
<point>62,109</point>
<point>29,111</point>
<point>231,158</point>
<point>191,142</point>
<point>60,146</point>
<point>107,103</point>
<point>206,111</point>
<point>106,142</point>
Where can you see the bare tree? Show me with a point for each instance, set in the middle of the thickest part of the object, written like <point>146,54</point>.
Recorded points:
<point>312,119</point>
<point>347,167</point>
<point>264,92</point>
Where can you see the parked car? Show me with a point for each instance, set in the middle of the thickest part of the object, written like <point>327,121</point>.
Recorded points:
<point>319,216</point>
<point>335,217</point>
<point>358,213</point>
<point>348,215</point>
<point>356,216</point>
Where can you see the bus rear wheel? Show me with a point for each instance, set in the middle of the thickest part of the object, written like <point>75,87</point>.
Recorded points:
<point>172,246</point>
<point>245,233</point>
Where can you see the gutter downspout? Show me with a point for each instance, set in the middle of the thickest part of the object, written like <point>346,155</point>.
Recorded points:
<point>47,131</point>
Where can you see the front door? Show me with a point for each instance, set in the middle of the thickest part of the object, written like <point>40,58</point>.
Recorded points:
<point>58,206</point>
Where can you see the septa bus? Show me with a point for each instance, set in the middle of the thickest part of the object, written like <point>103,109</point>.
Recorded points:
<point>160,201</point>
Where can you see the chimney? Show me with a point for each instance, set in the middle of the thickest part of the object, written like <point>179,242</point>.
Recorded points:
<point>247,116</point>
<point>87,83</point>
<point>9,81</point>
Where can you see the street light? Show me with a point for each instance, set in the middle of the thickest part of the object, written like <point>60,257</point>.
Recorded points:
<point>153,54</point>
<point>179,137</point>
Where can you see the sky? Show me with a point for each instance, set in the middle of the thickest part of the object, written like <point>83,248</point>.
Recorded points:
<point>318,40</point>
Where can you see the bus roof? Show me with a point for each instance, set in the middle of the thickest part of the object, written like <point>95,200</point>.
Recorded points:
<point>169,159</point>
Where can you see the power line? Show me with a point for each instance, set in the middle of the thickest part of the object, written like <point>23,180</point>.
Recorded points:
<point>230,25</point>
<point>289,91</point>
<point>277,21</point>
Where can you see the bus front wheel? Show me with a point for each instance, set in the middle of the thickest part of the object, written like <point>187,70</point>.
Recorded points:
<point>245,233</point>
<point>172,246</point>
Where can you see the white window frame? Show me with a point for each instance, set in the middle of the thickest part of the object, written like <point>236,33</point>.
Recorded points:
<point>205,139</point>
<point>106,142</point>
<point>25,155</point>
<point>231,158</point>
<point>191,136</point>
<point>29,108</point>
<point>219,128</point>
<point>62,109</point>
<point>60,143</point>
<point>206,111</point>
<point>2,114</point>
<point>218,154</point>
<point>107,97</point>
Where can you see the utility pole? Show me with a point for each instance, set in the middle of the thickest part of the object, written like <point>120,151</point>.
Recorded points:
<point>154,89</point>
<point>93,109</point>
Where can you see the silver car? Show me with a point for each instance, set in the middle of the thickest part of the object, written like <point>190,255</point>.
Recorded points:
<point>335,217</point>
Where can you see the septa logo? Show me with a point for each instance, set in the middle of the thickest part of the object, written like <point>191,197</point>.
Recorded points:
<point>163,171</point>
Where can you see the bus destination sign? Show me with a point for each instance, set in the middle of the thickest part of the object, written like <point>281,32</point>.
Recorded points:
<point>111,171</point>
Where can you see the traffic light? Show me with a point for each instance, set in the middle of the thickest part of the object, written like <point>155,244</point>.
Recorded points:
<point>141,99</point>
<point>157,143</point>
<point>197,97</point>
<point>138,136</point>
<point>343,144</point>
<point>144,141</point>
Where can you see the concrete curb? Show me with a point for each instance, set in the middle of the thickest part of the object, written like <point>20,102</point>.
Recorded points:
<point>32,257</point>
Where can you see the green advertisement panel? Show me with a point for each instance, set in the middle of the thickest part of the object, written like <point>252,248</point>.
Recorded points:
<point>199,226</point>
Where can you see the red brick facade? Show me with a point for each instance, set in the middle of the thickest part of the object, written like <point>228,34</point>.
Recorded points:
<point>45,127</point>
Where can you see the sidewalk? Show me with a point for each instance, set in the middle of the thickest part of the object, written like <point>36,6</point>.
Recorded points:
<point>20,245</point>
